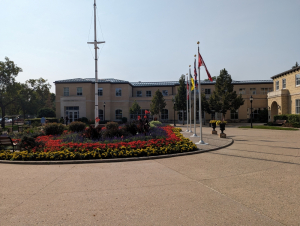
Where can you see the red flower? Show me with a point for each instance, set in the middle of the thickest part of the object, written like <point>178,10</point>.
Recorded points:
<point>145,116</point>
<point>139,117</point>
<point>97,119</point>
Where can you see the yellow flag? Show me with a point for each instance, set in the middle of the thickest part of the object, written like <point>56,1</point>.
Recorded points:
<point>193,83</point>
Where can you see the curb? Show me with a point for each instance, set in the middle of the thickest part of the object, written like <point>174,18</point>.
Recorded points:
<point>113,160</point>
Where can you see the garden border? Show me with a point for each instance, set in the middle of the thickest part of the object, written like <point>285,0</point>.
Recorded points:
<point>55,162</point>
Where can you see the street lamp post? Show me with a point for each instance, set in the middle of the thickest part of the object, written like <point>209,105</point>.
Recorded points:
<point>174,112</point>
<point>251,100</point>
<point>104,111</point>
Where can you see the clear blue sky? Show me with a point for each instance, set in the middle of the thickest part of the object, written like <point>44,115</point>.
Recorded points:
<point>152,40</point>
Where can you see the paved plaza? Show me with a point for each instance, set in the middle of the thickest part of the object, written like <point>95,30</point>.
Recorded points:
<point>254,181</point>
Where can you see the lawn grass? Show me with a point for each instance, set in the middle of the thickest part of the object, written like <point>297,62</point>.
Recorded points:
<point>269,127</point>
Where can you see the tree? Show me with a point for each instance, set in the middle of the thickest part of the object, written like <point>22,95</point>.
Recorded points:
<point>224,98</point>
<point>204,104</point>
<point>8,93</point>
<point>214,78</point>
<point>158,103</point>
<point>46,112</point>
<point>135,108</point>
<point>180,98</point>
<point>296,65</point>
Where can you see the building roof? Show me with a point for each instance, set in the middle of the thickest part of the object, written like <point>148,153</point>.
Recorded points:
<point>147,84</point>
<point>286,72</point>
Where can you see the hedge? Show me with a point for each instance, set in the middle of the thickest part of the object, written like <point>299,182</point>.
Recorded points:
<point>291,118</point>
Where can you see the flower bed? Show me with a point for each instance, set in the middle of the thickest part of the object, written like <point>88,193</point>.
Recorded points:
<point>55,149</point>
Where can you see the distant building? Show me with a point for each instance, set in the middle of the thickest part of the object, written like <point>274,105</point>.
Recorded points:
<point>76,98</point>
<point>285,99</point>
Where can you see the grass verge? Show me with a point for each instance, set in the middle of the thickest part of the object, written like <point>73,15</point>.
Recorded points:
<point>269,127</point>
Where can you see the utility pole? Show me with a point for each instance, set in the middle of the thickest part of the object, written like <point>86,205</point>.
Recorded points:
<point>95,42</point>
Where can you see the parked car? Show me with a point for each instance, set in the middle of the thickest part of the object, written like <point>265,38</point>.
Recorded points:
<point>8,120</point>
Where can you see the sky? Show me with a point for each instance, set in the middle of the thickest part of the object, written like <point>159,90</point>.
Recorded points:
<point>149,40</point>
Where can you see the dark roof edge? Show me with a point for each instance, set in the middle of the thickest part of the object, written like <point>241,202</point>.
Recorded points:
<point>286,72</point>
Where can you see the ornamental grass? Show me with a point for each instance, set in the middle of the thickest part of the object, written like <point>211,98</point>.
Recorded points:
<point>53,148</point>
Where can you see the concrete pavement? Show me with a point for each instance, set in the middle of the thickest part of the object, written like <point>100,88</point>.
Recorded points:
<point>255,181</point>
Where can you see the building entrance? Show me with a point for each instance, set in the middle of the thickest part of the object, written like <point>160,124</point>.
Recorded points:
<point>72,113</point>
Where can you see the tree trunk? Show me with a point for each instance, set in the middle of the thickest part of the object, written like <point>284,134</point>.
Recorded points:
<point>3,117</point>
<point>182,117</point>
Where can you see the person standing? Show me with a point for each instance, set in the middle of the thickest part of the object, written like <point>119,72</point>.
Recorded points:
<point>43,121</point>
<point>67,119</point>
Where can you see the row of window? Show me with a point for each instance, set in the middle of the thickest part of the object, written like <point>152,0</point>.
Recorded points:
<point>165,92</point>
<point>297,82</point>
<point>118,92</point>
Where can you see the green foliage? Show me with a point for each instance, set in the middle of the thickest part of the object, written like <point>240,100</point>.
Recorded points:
<point>293,118</point>
<point>54,129</point>
<point>180,98</point>
<point>204,104</point>
<point>29,142</point>
<point>9,92</point>
<point>77,126</point>
<point>93,133</point>
<point>46,112</point>
<point>158,103</point>
<point>112,125</point>
<point>214,78</point>
<point>224,98</point>
<point>131,127</point>
<point>296,65</point>
<point>135,108</point>
<point>155,124</point>
<point>269,127</point>
<point>84,119</point>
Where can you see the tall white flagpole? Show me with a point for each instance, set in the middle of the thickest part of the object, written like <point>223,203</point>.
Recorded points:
<point>95,43</point>
<point>190,99</point>
<point>200,112</point>
<point>187,106</point>
<point>195,134</point>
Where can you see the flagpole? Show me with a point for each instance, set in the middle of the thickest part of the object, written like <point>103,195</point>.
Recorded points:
<point>187,106</point>
<point>195,134</point>
<point>190,100</point>
<point>200,112</point>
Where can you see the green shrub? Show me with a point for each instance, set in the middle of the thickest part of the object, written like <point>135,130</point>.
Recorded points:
<point>293,118</point>
<point>155,124</point>
<point>296,124</point>
<point>281,117</point>
<point>124,120</point>
<point>112,125</point>
<point>46,112</point>
<point>84,119</point>
<point>114,132</point>
<point>77,126</point>
<point>131,127</point>
<point>93,133</point>
<point>54,129</point>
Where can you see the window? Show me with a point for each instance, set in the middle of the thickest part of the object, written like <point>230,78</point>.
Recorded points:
<point>66,91</point>
<point>242,91</point>
<point>139,93</point>
<point>165,92</point>
<point>234,114</point>
<point>100,115</point>
<point>100,91</point>
<point>277,85</point>
<point>298,106</point>
<point>79,91</point>
<point>141,114</point>
<point>297,79</point>
<point>283,83</point>
<point>165,114</point>
<point>148,94</point>
<point>265,90</point>
<point>118,114</point>
<point>207,93</point>
<point>252,91</point>
<point>270,89</point>
<point>118,92</point>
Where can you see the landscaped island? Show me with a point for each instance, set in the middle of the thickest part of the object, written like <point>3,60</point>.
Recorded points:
<point>102,142</point>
